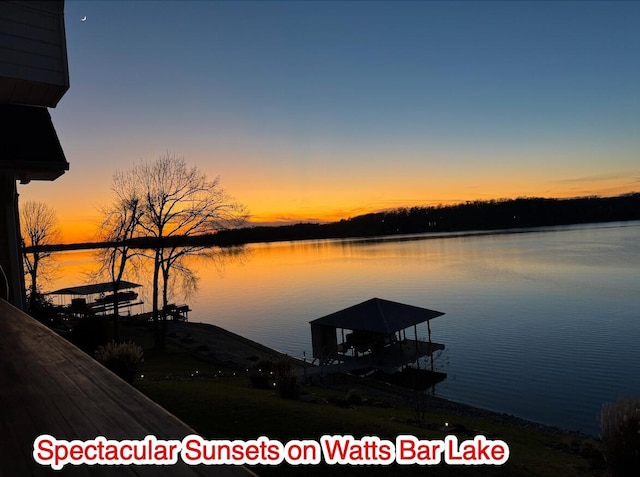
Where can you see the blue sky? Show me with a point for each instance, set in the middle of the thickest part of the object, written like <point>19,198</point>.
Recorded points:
<point>322,110</point>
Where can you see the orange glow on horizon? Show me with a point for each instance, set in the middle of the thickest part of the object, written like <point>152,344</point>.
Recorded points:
<point>79,221</point>
<point>275,219</point>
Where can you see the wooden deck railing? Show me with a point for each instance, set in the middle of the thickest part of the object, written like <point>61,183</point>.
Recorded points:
<point>48,386</point>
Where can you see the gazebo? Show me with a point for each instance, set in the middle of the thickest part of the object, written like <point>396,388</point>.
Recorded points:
<point>373,334</point>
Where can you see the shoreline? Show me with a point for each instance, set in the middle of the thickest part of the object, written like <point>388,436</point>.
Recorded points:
<point>214,344</point>
<point>444,233</point>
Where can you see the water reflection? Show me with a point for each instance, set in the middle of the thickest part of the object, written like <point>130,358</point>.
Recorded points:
<point>81,267</point>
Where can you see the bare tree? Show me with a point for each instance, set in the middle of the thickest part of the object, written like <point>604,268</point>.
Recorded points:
<point>120,224</point>
<point>39,226</point>
<point>176,202</point>
<point>182,276</point>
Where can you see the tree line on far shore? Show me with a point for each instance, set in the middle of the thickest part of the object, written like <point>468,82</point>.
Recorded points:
<point>472,215</point>
<point>475,215</point>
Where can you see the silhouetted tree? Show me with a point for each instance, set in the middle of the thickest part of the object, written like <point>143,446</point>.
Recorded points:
<point>120,224</point>
<point>176,202</point>
<point>39,226</point>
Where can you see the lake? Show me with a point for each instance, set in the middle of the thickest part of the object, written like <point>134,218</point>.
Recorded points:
<point>543,324</point>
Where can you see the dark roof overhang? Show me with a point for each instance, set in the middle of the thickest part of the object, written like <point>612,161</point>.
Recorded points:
<point>30,148</point>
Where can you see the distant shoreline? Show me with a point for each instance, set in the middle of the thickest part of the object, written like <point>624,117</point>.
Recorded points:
<point>390,236</point>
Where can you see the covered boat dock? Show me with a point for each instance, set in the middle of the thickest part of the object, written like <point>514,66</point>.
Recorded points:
<point>98,298</point>
<point>373,335</point>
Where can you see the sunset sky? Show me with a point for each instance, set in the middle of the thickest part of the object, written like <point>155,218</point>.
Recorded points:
<point>314,111</point>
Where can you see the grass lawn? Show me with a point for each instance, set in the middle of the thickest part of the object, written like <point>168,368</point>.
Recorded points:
<point>220,403</point>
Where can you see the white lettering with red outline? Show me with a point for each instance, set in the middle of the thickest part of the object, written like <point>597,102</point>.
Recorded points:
<point>47,450</point>
<point>345,450</point>
<point>479,451</point>
<point>263,451</point>
<point>334,450</point>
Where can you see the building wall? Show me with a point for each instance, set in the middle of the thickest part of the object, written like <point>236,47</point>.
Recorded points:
<point>33,53</point>
<point>33,72</point>
<point>12,274</point>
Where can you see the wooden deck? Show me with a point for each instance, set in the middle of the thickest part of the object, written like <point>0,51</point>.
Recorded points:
<point>48,386</point>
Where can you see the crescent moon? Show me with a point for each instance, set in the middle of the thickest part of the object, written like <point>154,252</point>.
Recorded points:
<point>83,19</point>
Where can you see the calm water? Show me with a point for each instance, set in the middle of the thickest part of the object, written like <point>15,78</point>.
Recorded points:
<point>544,325</point>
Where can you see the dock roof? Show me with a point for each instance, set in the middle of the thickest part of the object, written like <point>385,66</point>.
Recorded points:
<point>94,288</point>
<point>377,316</point>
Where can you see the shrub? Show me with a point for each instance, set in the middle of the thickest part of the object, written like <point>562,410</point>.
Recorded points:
<point>620,434</point>
<point>260,380</point>
<point>354,396</point>
<point>267,373</point>
<point>121,358</point>
<point>287,383</point>
<point>261,375</point>
<point>42,309</point>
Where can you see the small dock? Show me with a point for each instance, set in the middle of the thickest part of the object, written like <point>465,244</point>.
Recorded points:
<point>99,299</point>
<point>177,312</point>
<point>173,313</point>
